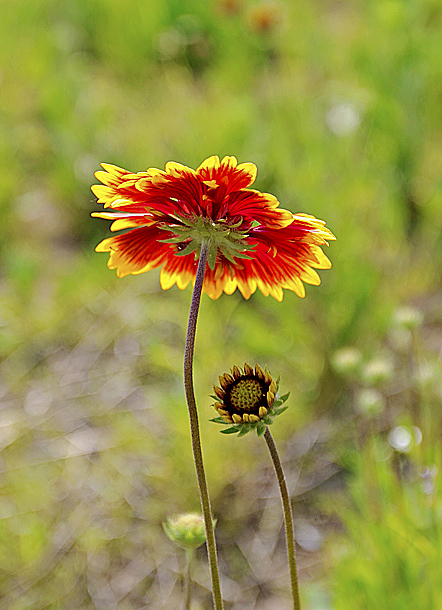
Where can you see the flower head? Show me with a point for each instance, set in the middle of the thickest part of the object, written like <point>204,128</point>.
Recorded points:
<point>167,215</point>
<point>247,399</point>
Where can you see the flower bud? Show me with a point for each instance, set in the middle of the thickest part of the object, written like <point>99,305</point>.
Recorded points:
<point>247,399</point>
<point>186,530</point>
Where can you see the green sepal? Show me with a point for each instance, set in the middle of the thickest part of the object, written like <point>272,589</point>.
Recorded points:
<point>237,224</point>
<point>285,397</point>
<point>218,420</point>
<point>260,428</point>
<point>244,430</point>
<point>229,431</point>
<point>239,254</point>
<point>191,247</point>
<point>189,222</point>
<point>213,251</point>
<point>279,411</point>
<point>238,236</point>
<point>171,228</point>
<point>175,228</point>
<point>171,240</point>
<point>229,256</point>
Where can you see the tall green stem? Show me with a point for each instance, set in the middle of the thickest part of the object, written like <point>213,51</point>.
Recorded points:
<point>194,426</point>
<point>289,530</point>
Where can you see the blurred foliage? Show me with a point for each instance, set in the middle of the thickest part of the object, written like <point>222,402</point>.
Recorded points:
<point>390,555</point>
<point>338,104</point>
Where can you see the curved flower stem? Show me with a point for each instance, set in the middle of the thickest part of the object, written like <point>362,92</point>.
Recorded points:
<point>194,426</point>
<point>289,530</point>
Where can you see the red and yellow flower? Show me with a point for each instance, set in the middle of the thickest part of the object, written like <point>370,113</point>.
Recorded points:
<point>167,215</point>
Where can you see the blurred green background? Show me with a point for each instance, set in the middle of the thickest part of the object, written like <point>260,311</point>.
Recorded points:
<point>339,103</point>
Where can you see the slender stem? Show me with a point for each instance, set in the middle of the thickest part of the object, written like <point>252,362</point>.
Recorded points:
<point>194,427</point>
<point>187,581</point>
<point>289,530</point>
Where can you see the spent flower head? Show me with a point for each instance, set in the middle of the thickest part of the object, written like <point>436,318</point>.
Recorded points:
<point>247,399</point>
<point>166,216</point>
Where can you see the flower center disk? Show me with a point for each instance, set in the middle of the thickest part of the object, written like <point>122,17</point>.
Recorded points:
<point>246,394</point>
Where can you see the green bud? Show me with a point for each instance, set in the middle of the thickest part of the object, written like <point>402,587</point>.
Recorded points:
<point>346,361</point>
<point>186,530</point>
<point>377,371</point>
<point>408,317</point>
<point>370,402</point>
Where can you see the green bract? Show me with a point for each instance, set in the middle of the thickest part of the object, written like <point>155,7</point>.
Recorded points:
<point>222,236</point>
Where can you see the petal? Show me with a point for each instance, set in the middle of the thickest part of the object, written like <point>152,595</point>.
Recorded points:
<point>136,251</point>
<point>126,221</point>
<point>119,187</point>
<point>179,270</point>
<point>112,175</point>
<point>178,191</point>
<point>176,170</point>
<point>130,223</point>
<point>261,207</point>
<point>282,259</point>
<point>208,168</point>
<point>227,172</point>
<point>177,196</point>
